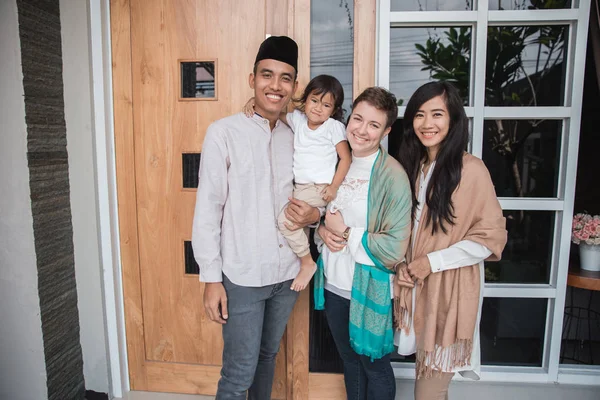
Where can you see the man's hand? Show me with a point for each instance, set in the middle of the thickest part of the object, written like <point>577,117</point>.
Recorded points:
<point>300,214</point>
<point>420,268</point>
<point>215,302</point>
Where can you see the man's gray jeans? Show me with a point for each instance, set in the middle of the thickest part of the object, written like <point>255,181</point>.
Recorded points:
<point>251,336</point>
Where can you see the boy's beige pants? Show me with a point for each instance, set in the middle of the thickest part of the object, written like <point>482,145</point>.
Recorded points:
<point>298,239</point>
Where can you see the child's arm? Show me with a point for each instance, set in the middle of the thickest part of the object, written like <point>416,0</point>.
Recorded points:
<point>248,109</point>
<point>343,150</point>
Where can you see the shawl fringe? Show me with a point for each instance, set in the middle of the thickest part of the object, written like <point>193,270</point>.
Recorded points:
<point>443,359</point>
<point>402,317</point>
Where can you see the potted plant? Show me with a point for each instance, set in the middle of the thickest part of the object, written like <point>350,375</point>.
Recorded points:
<point>586,233</point>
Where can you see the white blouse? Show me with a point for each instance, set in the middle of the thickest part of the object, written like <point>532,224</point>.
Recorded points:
<point>351,201</point>
<point>463,253</point>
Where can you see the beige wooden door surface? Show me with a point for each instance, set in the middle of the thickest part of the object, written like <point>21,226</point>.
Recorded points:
<point>172,346</point>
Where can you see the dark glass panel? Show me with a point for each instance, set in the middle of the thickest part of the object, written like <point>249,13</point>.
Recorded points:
<point>198,79</point>
<point>523,156</point>
<point>190,166</point>
<point>512,331</point>
<point>331,53</point>
<point>191,267</point>
<point>581,328</point>
<point>528,252</point>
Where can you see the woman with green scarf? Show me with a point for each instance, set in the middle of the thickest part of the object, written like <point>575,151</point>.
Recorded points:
<point>366,233</point>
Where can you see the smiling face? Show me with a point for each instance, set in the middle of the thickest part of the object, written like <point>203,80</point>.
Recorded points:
<point>318,108</point>
<point>431,124</point>
<point>273,84</point>
<point>366,128</point>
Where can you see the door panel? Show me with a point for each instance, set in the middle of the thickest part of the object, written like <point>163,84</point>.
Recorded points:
<point>172,346</point>
<point>164,32</point>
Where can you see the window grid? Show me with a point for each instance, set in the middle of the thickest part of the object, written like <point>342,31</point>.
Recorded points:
<point>479,19</point>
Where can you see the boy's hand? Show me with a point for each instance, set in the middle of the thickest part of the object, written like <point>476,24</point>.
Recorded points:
<point>248,108</point>
<point>329,193</point>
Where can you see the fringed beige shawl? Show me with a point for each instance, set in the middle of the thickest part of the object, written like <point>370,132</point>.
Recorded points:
<point>447,302</point>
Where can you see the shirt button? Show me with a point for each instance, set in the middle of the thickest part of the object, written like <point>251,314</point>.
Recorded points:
<point>280,246</point>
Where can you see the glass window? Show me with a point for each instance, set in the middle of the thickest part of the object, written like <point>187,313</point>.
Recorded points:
<point>426,5</point>
<point>331,53</point>
<point>198,80</point>
<point>512,331</point>
<point>523,156</point>
<point>528,252</point>
<point>581,327</point>
<point>332,43</point>
<point>420,55</point>
<point>527,4</point>
<point>526,65</point>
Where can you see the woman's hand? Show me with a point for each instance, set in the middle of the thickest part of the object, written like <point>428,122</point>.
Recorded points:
<point>403,277</point>
<point>333,242</point>
<point>335,222</point>
<point>420,268</point>
<point>248,108</point>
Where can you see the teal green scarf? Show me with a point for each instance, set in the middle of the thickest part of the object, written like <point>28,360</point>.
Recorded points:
<point>385,240</point>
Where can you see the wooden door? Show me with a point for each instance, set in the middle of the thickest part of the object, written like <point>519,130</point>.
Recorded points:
<point>172,346</point>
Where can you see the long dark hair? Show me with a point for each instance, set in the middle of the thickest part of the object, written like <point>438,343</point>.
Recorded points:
<point>321,85</point>
<point>448,163</point>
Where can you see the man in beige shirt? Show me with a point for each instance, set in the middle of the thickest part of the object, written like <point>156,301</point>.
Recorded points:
<point>245,180</point>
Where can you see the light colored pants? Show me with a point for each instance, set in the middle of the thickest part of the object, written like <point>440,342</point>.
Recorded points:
<point>298,239</point>
<point>434,388</point>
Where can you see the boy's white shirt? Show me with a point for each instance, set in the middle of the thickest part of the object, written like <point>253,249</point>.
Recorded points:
<point>315,155</point>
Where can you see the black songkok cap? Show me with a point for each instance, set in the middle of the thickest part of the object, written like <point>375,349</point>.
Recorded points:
<point>279,48</point>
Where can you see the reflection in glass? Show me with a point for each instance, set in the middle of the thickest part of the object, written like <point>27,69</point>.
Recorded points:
<point>421,55</point>
<point>523,156</point>
<point>427,5</point>
<point>331,53</point>
<point>525,65</point>
<point>581,327</point>
<point>512,331</point>
<point>528,4</point>
<point>528,252</point>
<point>332,43</point>
<point>198,79</point>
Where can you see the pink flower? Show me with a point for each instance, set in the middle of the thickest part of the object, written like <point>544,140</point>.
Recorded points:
<point>585,228</point>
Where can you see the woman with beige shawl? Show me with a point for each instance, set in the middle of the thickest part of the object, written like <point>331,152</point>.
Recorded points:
<point>457,224</point>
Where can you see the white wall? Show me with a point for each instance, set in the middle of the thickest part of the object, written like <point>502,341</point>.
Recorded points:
<point>78,115</point>
<point>22,363</point>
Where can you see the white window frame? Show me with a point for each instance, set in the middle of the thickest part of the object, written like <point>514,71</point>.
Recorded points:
<point>570,114</point>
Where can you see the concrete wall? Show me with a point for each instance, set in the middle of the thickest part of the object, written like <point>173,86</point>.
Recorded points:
<point>22,363</point>
<point>78,117</point>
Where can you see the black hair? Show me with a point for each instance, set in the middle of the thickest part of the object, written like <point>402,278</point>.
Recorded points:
<point>446,175</point>
<point>321,85</point>
<point>383,100</point>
